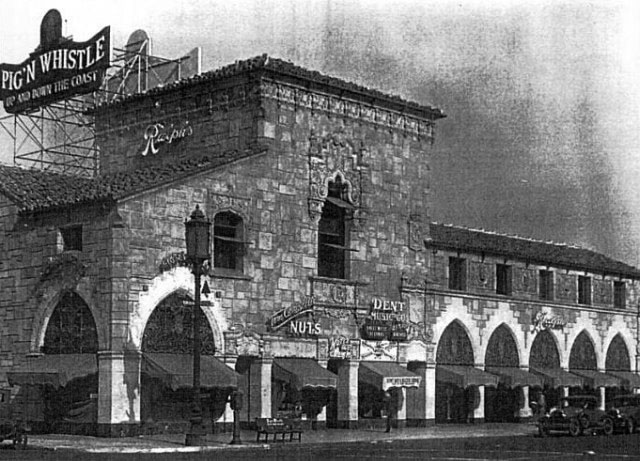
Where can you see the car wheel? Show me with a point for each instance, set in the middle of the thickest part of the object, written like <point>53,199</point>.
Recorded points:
<point>631,426</point>
<point>575,429</point>
<point>584,422</point>
<point>607,426</point>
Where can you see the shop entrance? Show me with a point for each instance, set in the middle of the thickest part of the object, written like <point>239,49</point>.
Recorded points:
<point>166,379</point>
<point>502,403</point>
<point>454,402</point>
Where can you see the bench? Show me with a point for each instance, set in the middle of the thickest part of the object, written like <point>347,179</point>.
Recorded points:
<point>278,426</point>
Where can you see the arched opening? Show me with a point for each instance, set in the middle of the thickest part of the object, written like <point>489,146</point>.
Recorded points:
<point>59,389</point>
<point>618,363</point>
<point>583,357</point>
<point>502,403</point>
<point>167,368</point>
<point>454,402</point>
<point>333,232</point>
<point>545,359</point>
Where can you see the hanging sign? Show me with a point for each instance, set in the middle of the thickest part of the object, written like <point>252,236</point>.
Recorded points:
<point>59,70</point>
<point>387,320</point>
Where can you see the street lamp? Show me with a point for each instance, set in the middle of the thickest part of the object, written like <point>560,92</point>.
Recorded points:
<point>197,233</point>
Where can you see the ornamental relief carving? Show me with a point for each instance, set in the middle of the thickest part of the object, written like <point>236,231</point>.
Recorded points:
<point>239,205</point>
<point>334,158</point>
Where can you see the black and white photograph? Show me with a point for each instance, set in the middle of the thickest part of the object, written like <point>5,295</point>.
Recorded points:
<point>320,229</point>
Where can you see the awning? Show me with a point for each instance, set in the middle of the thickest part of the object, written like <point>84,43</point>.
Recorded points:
<point>514,376</point>
<point>301,373</point>
<point>465,375</point>
<point>176,370</point>
<point>557,377</point>
<point>56,370</point>
<point>630,379</point>
<point>595,378</point>
<point>385,375</point>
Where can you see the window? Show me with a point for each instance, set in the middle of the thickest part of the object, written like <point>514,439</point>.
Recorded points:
<point>228,243</point>
<point>546,285</point>
<point>619,295</point>
<point>333,233</point>
<point>503,279</point>
<point>71,238</point>
<point>457,274</point>
<point>584,290</point>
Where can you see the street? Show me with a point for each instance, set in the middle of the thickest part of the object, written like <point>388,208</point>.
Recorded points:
<point>521,448</point>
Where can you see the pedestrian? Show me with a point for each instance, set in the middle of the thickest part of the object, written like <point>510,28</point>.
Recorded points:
<point>542,404</point>
<point>387,409</point>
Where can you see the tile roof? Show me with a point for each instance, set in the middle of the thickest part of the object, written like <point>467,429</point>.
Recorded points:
<point>535,251</point>
<point>36,190</point>
<point>286,69</point>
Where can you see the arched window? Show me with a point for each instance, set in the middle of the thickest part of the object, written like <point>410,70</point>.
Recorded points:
<point>333,233</point>
<point>71,328</point>
<point>228,241</point>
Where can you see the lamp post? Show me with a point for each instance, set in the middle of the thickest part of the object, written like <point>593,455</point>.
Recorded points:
<point>197,233</point>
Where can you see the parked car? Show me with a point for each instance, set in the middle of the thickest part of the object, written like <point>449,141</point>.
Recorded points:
<point>12,426</point>
<point>576,415</point>
<point>625,412</point>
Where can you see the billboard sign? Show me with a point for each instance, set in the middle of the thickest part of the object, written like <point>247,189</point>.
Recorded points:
<point>55,71</point>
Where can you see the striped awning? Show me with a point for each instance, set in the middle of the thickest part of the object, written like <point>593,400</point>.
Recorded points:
<point>596,378</point>
<point>514,376</point>
<point>176,370</point>
<point>465,376</point>
<point>55,369</point>
<point>557,377</point>
<point>303,373</point>
<point>630,379</point>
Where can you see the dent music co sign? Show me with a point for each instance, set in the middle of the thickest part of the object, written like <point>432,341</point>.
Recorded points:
<point>55,71</point>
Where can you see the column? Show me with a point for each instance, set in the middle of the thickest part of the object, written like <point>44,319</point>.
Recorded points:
<point>226,420</point>
<point>565,391</point>
<point>602,397</point>
<point>260,389</point>
<point>118,393</point>
<point>321,418</point>
<point>401,407</point>
<point>348,394</point>
<point>525,411</point>
<point>478,410</point>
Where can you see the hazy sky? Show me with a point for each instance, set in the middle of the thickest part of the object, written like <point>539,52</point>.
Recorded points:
<point>542,97</point>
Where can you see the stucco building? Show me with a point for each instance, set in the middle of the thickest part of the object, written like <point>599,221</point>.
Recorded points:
<point>328,283</point>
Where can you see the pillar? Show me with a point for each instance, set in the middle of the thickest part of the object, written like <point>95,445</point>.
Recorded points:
<point>603,394</point>
<point>321,418</point>
<point>478,410</point>
<point>226,420</point>
<point>348,394</point>
<point>118,393</point>
<point>259,387</point>
<point>565,391</point>
<point>401,407</point>
<point>421,401</point>
<point>525,410</point>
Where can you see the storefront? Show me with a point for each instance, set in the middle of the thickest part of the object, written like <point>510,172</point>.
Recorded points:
<point>329,295</point>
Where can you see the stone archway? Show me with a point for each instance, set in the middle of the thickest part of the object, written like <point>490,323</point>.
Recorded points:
<point>500,401</point>
<point>166,392</point>
<point>618,355</point>
<point>454,348</point>
<point>583,353</point>
<point>64,398</point>
<point>544,351</point>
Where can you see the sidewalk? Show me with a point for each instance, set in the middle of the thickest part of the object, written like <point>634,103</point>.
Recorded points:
<point>167,443</point>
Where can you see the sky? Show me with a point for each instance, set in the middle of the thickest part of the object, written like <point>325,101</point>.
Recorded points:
<point>542,97</point>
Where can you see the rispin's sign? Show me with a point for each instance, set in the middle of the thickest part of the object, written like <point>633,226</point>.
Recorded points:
<point>58,69</point>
